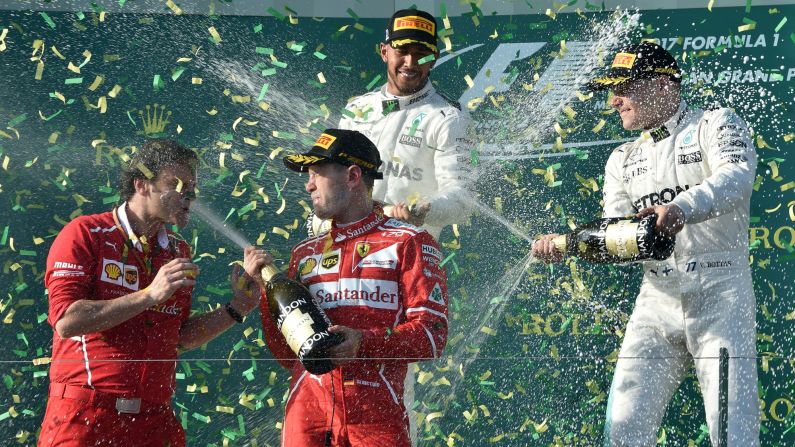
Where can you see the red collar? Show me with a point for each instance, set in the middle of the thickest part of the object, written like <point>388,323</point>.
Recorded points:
<point>372,220</point>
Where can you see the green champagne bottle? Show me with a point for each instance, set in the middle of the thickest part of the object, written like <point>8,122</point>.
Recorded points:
<point>301,321</point>
<point>615,240</point>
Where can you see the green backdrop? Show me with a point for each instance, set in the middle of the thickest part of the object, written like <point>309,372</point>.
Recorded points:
<point>532,348</point>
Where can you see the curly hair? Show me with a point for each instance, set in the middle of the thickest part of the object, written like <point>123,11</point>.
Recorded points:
<point>150,159</point>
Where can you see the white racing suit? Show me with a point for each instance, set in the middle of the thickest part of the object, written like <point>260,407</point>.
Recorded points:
<point>423,144</point>
<point>701,298</point>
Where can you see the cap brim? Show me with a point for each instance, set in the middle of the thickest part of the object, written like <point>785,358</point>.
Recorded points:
<point>397,43</point>
<point>606,82</point>
<point>300,162</point>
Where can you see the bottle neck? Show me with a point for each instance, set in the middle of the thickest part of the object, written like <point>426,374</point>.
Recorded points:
<point>560,243</point>
<point>268,272</point>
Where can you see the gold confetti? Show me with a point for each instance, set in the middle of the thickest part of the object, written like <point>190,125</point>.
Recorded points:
<point>469,81</point>
<point>214,34</point>
<point>114,91</point>
<point>709,5</point>
<point>3,35</point>
<point>281,208</point>
<point>177,10</point>
<point>321,78</point>
<point>219,408</point>
<point>599,126</point>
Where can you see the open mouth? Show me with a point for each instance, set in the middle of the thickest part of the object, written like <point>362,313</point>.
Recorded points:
<point>409,75</point>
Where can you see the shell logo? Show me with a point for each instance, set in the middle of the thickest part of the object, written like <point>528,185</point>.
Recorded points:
<point>113,271</point>
<point>308,266</point>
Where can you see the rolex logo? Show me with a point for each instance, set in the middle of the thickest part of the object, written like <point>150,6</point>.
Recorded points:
<point>154,120</point>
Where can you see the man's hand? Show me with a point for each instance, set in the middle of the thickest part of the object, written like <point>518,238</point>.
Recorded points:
<point>414,216</point>
<point>246,287</point>
<point>253,260</point>
<point>245,291</point>
<point>544,249</point>
<point>176,274</point>
<point>348,350</point>
<point>670,218</point>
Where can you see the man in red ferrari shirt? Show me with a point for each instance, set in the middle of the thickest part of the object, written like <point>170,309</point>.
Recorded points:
<point>120,288</point>
<point>379,281</point>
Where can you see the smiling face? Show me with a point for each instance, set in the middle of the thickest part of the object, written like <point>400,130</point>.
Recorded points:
<point>639,102</point>
<point>405,76</point>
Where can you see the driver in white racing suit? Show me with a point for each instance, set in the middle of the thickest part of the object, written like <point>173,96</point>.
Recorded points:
<point>421,135</point>
<point>695,169</point>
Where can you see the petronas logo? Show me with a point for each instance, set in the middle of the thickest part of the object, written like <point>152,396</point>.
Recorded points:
<point>154,120</point>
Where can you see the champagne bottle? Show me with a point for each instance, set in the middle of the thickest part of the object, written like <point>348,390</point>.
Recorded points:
<point>301,321</point>
<point>616,240</point>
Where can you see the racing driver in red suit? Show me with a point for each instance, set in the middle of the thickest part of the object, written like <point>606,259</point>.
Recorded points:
<point>379,281</point>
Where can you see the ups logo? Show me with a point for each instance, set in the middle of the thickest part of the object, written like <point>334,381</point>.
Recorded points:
<point>130,276</point>
<point>330,261</point>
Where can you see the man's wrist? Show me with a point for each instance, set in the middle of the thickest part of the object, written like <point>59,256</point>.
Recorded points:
<point>233,313</point>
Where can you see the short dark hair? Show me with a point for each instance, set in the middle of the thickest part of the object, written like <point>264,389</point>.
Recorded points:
<point>147,162</point>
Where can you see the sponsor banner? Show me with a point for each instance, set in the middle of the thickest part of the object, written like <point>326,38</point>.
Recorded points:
<point>115,272</point>
<point>374,293</point>
<point>370,256</point>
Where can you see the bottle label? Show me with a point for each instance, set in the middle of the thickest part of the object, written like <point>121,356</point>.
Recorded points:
<point>297,328</point>
<point>621,239</point>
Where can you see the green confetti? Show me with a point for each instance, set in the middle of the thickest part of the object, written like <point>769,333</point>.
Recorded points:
<point>747,6</point>
<point>781,24</point>
<point>258,28</point>
<point>201,417</point>
<point>276,14</point>
<point>4,238</point>
<point>18,120</point>
<point>47,19</point>
<point>373,82</point>
<point>353,14</point>
<point>70,81</point>
<point>264,50</point>
<point>27,253</point>
<point>262,91</point>
<point>319,55</point>
<point>426,59</point>
<point>250,206</point>
<point>449,257</point>
<point>177,73</point>
<point>157,83</point>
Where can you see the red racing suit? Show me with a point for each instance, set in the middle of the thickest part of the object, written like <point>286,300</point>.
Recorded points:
<point>382,277</point>
<point>93,374</point>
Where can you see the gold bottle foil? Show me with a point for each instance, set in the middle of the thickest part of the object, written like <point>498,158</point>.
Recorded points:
<point>268,272</point>
<point>560,243</point>
<point>621,239</point>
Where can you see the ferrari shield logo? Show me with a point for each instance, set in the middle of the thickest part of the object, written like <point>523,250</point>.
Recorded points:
<point>362,248</point>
